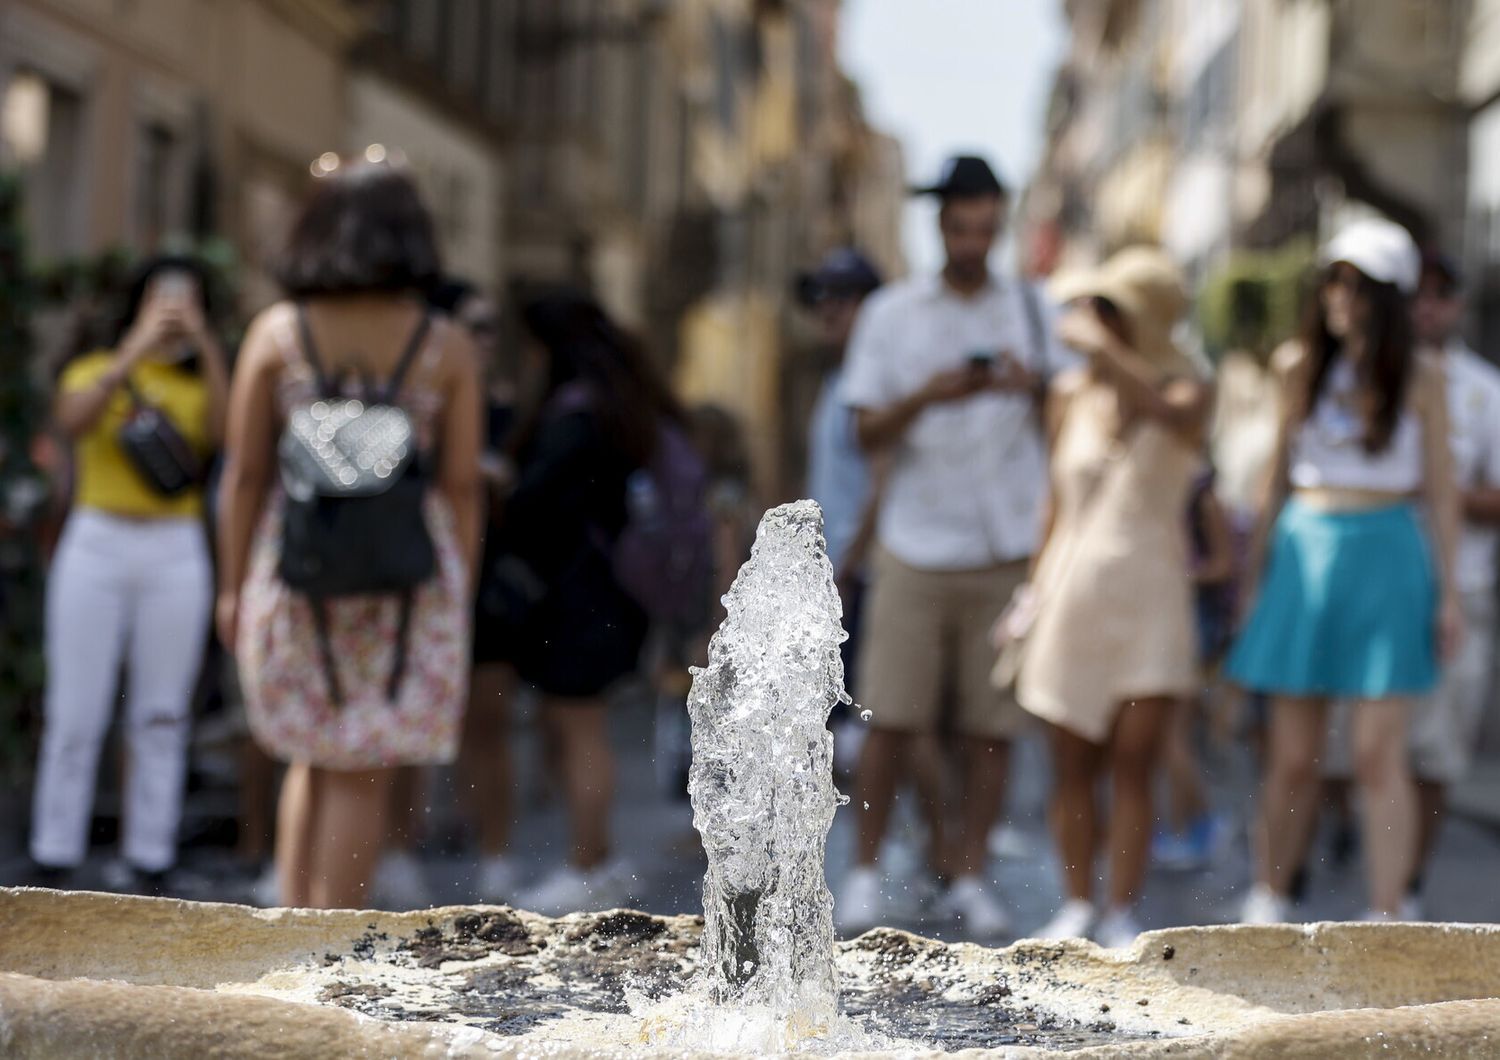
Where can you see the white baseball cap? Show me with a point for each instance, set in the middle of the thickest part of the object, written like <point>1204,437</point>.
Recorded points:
<point>1382,250</point>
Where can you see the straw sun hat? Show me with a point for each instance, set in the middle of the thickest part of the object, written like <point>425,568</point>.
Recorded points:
<point>1148,289</point>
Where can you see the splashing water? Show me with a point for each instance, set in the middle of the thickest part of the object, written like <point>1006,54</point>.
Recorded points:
<point>762,790</point>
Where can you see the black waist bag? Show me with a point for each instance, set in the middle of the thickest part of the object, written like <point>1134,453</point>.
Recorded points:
<point>353,522</point>
<point>156,449</point>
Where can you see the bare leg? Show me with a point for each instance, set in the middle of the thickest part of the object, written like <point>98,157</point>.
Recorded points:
<point>581,728</point>
<point>881,762</point>
<point>987,768</point>
<point>1388,799</point>
<point>484,767</point>
<point>294,835</point>
<point>1186,801</point>
<point>1289,796</point>
<point>1432,810</point>
<point>353,815</point>
<point>1076,765</point>
<point>257,797</point>
<point>929,778</point>
<point>408,799</point>
<point>1140,731</point>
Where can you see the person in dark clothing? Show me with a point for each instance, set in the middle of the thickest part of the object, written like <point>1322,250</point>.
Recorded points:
<point>591,411</point>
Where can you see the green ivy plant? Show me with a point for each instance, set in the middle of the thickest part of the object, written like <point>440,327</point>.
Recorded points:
<point>1254,301</point>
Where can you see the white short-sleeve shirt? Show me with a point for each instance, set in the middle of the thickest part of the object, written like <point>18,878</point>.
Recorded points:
<point>1474,424</point>
<point>969,477</point>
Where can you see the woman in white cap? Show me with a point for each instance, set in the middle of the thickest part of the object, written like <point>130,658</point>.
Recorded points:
<point>1113,646</point>
<point>1354,598</point>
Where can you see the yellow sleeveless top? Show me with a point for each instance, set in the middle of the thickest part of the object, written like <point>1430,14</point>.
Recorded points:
<point>105,479</point>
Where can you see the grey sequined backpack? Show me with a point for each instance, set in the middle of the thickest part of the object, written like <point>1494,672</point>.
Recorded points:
<point>354,484</point>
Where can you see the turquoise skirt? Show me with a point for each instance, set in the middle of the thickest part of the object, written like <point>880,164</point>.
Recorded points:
<point>1347,608</point>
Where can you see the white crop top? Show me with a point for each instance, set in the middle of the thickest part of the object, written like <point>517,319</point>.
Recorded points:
<point>1328,450</point>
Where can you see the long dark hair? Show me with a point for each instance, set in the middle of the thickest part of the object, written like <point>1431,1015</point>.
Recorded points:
<point>1382,331</point>
<point>363,231</point>
<point>629,396</point>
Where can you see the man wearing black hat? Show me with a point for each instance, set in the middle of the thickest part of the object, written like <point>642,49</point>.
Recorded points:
<point>946,374</point>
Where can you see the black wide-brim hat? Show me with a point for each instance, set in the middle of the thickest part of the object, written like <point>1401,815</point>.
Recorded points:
<point>962,176</point>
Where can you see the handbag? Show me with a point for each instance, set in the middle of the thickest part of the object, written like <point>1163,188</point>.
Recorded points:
<point>153,445</point>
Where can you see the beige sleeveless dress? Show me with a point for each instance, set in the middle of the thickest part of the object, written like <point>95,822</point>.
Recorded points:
<point>1115,619</point>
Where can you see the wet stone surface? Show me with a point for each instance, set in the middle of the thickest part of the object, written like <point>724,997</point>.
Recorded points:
<point>494,971</point>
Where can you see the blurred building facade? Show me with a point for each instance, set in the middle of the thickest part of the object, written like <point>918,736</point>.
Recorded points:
<point>1216,125</point>
<point>682,158</point>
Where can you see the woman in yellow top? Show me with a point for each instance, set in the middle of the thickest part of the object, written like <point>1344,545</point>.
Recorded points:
<point>131,581</point>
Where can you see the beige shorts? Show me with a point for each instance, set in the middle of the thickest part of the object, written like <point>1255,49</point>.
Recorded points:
<point>926,643</point>
<point>1445,725</point>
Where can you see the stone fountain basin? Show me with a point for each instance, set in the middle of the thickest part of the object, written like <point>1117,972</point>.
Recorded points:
<point>108,976</point>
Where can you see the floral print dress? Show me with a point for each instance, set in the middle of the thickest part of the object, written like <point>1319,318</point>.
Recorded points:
<point>290,710</point>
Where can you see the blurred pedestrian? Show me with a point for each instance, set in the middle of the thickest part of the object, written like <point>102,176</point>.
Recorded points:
<point>946,374</point>
<point>1102,666</point>
<point>1445,726</point>
<point>593,409</point>
<point>350,614</point>
<point>131,580</point>
<point>1353,600</point>
<point>838,471</point>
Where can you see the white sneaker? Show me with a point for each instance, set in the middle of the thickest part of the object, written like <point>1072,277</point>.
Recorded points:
<point>1006,841</point>
<point>569,890</point>
<point>1264,906</point>
<point>1072,921</point>
<point>860,902</point>
<point>266,890</point>
<point>1117,930</point>
<point>976,907</point>
<point>499,879</point>
<point>399,881</point>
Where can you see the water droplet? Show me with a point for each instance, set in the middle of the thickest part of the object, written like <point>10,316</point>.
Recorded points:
<point>867,805</point>
<point>866,715</point>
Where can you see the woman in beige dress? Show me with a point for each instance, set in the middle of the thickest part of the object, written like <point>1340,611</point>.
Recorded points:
<point>1112,647</point>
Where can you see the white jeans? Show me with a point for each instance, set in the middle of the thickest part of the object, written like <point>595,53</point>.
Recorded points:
<point>132,591</point>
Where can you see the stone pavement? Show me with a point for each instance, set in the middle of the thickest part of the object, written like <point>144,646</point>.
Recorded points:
<point>655,836</point>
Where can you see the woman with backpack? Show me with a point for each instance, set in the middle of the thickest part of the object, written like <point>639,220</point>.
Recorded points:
<point>349,525</point>
<point>131,581</point>
<point>592,412</point>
